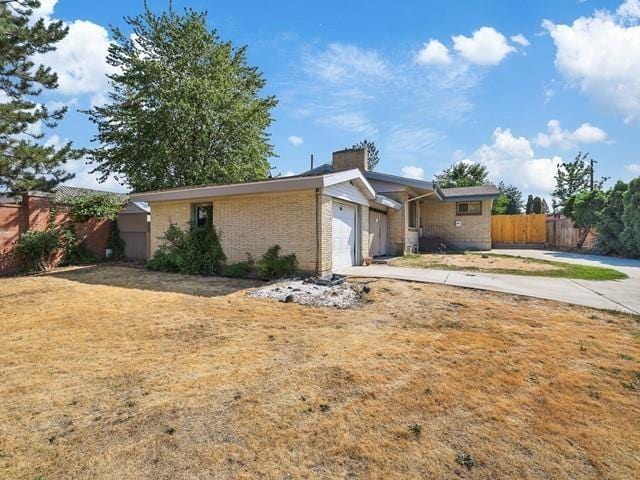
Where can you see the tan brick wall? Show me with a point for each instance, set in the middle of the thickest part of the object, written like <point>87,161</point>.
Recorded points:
<point>439,219</point>
<point>325,225</point>
<point>164,214</point>
<point>254,223</point>
<point>397,224</point>
<point>364,232</point>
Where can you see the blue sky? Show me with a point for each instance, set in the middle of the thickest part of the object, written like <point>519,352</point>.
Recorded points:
<point>516,85</point>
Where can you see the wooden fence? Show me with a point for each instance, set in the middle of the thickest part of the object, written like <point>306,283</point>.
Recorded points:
<point>518,229</point>
<point>562,235</point>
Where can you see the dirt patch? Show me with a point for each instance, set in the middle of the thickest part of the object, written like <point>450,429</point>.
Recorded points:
<point>122,373</point>
<point>344,295</point>
<point>472,261</point>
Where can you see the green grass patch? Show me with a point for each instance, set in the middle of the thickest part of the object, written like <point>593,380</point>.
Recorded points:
<point>558,270</point>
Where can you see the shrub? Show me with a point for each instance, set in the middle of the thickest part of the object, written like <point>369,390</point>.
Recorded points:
<point>631,218</point>
<point>610,226</point>
<point>237,270</point>
<point>197,251</point>
<point>116,243</point>
<point>94,205</point>
<point>274,265</point>
<point>37,248</point>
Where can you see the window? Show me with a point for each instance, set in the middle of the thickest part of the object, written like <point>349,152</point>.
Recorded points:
<point>413,214</point>
<point>469,208</point>
<point>202,214</point>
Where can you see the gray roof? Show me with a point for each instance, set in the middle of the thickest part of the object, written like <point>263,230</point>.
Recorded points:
<point>66,192</point>
<point>469,193</point>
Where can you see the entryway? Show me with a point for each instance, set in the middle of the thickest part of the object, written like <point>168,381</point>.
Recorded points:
<point>378,233</point>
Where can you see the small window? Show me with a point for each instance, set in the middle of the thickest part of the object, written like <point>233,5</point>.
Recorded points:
<point>202,215</point>
<point>413,214</point>
<point>469,208</point>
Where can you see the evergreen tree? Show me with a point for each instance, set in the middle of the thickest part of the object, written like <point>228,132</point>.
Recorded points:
<point>463,174</point>
<point>509,202</point>
<point>184,107</point>
<point>26,164</point>
<point>537,205</point>
<point>373,155</point>
<point>529,207</point>
<point>631,219</point>
<point>611,225</point>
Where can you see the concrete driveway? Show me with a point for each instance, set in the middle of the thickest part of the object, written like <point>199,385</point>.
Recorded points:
<point>621,295</point>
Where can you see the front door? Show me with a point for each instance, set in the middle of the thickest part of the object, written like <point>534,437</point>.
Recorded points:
<point>377,233</point>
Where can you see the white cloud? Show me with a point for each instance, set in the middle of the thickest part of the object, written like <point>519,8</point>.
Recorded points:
<point>351,122</point>
<point>433,52</point>
<point>600,55</point>
<point>412,171</point>
<point>512,160</point>
<point>520,40</point>
<point>44,10</point>
<point>295,140</point>
<point>565,139</point>
<point>85,179</point>
<point>80,59</point>
<point>633,168</point>
<point>486,46</point>
<point>344,61</point>
<point>630,9</point>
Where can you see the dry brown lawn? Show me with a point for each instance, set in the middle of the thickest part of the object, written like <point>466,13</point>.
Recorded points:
<point>473,261</point>
<point>118,373</point>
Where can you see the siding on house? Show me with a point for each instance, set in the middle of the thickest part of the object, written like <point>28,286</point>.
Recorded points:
<point>348,192</point>
<point>439,219</point>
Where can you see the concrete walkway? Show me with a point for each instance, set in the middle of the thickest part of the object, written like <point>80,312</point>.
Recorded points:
<point>621,295</point>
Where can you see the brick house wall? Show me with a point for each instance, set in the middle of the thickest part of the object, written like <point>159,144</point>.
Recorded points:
<point>32,213</point>
<point>439,219</point>
<point>254,223</point>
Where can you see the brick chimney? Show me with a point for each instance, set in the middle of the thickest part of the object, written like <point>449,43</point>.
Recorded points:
<point>350,158</point>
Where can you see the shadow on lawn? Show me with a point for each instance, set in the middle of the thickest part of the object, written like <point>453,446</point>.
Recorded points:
<point>141,279</point>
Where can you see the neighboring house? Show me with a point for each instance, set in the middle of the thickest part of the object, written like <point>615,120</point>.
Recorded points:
<point>64,193</point>
<point>331,216</point>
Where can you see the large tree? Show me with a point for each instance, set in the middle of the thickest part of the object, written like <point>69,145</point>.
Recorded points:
<point>373,155</point>
<point>463,174</point>
<point>184,107</point>
<point>25,163</point>
<point>631,219</point>
<point>509,202</point>
<point>575,177</point>
<point>585,211</point>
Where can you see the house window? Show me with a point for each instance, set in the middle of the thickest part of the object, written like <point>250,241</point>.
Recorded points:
<point>202,214</point>
<point>413,214</point>
<point>469,208</point>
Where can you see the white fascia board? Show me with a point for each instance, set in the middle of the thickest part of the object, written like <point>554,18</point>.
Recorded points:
<point>388,202</point>
<point>266,186</point>
<point>350,175</point>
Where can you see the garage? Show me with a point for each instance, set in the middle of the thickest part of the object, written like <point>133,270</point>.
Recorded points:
<point>343,235</point>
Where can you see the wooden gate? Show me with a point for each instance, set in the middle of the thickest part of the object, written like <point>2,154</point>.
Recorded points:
<point>518,229</point>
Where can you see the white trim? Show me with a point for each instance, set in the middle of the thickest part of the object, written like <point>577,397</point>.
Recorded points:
<point>265,186</point>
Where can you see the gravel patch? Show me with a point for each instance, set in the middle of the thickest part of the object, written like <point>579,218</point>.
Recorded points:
<point>298,291</point>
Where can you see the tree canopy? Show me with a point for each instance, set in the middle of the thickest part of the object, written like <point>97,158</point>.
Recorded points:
<point>509,202</point>
<point>184,107</point>
<point>373,155</point>
<point>463,174</point>
<point>611,225</point>
<point>575,177</point>
<point>25,163</point>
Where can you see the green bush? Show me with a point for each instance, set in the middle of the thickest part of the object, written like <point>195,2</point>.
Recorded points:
<point>37,248</point>
<point>274,265</point>
<point>610,225</point>
<point>631,218</point>
<point>237,270</point>
<point>94,205</point>
<point>197,251</point>
<point>116,243</point>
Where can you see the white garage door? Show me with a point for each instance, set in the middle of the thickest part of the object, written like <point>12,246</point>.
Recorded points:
<point>344,235</point>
